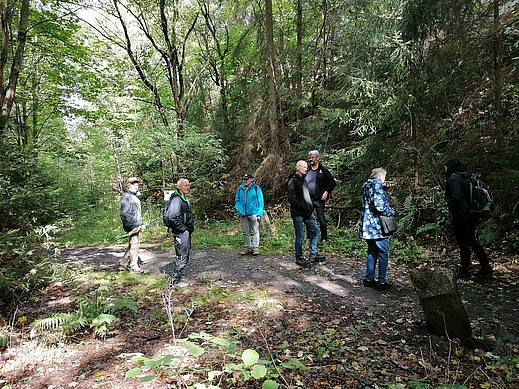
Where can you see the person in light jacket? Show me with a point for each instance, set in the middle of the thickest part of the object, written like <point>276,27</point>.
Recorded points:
<point>132,219</point>
<point>375,201</point>
<point>248,201</point>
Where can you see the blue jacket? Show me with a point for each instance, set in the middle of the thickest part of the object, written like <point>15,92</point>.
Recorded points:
<point>375,201</point>
<point>252,204</point>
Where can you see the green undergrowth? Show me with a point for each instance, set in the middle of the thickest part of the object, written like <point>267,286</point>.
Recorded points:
<point>107,301</point>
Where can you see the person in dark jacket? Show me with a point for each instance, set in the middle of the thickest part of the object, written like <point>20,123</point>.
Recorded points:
<point>180,220</point>
<point>375,201</point>
<point>248,201</point>
<point>457,196</point>
<point>301,211</point>
<point>130,214</point>
<point>320,185</point>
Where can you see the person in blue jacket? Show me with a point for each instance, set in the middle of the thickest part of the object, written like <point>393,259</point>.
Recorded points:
<point>375,201</point>
<point>248,201</point>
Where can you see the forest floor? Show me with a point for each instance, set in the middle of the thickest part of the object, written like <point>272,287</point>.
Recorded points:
<point>348,335</point>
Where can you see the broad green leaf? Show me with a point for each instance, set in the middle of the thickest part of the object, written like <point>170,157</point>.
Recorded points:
<point>250,357</point>
<point>220,341</point>
<point>269,384</point>
<point>102,319</point>
<point>233,367</point>
<point>133,372</point>
<point>148,378</point>
<point>259,371</point>
<point>194,349</point>
<point>213,374</point>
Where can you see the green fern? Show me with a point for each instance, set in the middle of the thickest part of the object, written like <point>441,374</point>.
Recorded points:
<point>429,227</point>
<point>58,326</point>
<point>92,312</point>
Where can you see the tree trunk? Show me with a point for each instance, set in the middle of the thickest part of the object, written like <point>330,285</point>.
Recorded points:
<point>272,167</point>
<point>498,77</point>
<point>299,43</point>
<point>271,66</point>
<point>9,90</point>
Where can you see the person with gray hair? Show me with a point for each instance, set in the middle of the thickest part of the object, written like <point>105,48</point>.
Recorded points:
<point>180,220</point>
<point>320,185</point>
<point>301,211</point>
<point>375,202</point>
<point>131,218</point>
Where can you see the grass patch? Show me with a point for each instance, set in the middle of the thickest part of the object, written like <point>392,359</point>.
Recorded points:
<point>102,226</point>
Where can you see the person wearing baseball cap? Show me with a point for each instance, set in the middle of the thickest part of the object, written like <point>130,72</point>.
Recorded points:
<point>132,220</point>
<point>248,201</point>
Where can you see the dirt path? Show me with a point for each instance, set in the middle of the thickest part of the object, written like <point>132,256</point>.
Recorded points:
<point>322,306</point>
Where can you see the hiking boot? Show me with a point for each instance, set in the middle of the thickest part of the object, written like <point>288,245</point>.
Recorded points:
<point>172,282</point>
<point>137,270</point>
<point>246,252</point>
<point>300,261</point>
<point>462,272</point>
<point>369,283</point>
<point>383,286</point>
<point>316,258</point>
<point>255,251</point>
<point>485,271</point>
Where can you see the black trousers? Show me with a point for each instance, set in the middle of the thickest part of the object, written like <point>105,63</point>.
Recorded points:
<point>464,226</point>
<point>182,248</point>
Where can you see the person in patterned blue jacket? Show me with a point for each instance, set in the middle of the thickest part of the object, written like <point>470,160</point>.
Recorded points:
<point>375,201</point>
<point>248,201</point>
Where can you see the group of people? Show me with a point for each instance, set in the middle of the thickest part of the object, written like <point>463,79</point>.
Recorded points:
<point>375,202</point>
<point>180,221</point>
<point>309,186</point>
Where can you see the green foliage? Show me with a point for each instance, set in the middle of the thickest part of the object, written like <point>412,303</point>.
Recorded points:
<point>92,312</point>
<point>247,363</point>
<point>102,225</point>
<point>22,270</point>
<point>27,197</point>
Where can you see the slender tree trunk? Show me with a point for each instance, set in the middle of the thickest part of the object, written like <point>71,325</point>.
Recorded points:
<point>299,48</point>
<point>271,66</point>
<point>498,77</point>
<point>8,91</point>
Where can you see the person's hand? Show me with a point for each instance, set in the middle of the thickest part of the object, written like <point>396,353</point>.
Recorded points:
<point>324,197</point>
<point>136,230</point>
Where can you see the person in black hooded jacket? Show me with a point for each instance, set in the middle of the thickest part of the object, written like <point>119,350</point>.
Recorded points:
<point>180,220</point>
<point>457,196</point>
<point>301,211</point>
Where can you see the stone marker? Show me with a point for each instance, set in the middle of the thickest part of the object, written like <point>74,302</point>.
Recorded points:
<point>441,302</point>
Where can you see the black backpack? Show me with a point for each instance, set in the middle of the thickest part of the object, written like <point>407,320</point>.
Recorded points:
<point>481,199</point>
